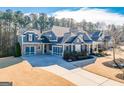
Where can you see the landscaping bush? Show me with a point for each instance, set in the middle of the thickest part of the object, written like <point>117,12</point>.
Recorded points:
<point>73,56</point>
<point>17,50</point>
<point>100,50</point>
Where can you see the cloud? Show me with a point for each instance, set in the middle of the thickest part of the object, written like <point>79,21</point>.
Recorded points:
<point>91,15</point>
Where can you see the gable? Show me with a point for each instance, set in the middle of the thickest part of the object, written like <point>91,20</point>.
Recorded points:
<point>78,41</point>
<point>50,35</point>
<point>44,39</point>
<point>75,39</point>
<point>34,37</point>
<point>59,31</point>
<point>97,36</point>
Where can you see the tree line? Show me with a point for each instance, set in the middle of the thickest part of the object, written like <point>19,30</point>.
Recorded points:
<point>13,21</point>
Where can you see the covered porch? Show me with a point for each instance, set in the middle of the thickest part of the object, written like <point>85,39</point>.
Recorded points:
<point>60,49</point>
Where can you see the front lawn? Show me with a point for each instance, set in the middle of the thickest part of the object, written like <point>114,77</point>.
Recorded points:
<point>23,74</point>
<point>103,66</point>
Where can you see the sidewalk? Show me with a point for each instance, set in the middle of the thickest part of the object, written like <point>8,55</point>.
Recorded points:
<point>81,77</point>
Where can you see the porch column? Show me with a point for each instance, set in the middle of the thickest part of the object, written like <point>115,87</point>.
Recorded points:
<point>92,47</point>
<point>71,48</point>
<point>97,48</point>
<point>43,49</point>
<point>88,48</point>
<point>63,50</point>
<point>22,50</point>
<point>52,50</point>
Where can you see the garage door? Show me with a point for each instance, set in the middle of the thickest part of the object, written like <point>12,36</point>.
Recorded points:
<point>57,50</point>
<point>30,50</point>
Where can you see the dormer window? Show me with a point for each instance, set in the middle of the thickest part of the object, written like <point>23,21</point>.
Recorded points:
<point>30,37</point>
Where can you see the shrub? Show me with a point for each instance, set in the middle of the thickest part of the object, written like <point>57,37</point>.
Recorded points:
<point>73,56</point>
<point>17,50</point>
<point>100,50</point>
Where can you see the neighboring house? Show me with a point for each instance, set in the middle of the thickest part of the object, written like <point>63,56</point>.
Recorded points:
<point>58,40</point>
<point>107,42</point>
<point>101,41</point>
<point>97,38</point>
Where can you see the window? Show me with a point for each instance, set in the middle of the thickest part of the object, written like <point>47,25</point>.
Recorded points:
<point>30,37</point>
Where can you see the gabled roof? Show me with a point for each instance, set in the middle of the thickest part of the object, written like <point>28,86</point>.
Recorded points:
<point>71,39</point>
<point>85,37</point>
<point>24,31</point>
<point>107,38</point>
<point>59,31</point>
<point>44,39</point>
<point>50,35</point>
<point>60,39</point>
<point>96,35</point>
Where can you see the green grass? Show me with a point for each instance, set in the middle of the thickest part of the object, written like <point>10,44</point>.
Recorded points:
<point>8,61</point>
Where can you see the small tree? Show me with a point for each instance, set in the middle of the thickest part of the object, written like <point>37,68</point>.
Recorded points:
<point>115,35</point>
<point>17,50</point>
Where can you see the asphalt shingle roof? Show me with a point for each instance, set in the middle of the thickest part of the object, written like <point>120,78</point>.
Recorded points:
<point>96,35</point>
<point>107,38</point>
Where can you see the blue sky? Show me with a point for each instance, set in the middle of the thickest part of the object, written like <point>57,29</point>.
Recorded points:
<point>49,10</point>
<point>109,15</point>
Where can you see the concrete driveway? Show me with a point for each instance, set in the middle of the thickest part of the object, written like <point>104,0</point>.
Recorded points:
<point>48,60</point>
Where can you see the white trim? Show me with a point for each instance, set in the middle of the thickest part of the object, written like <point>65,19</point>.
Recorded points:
<point>88,35</point>
<point>43,49</point>
<point>31,43</point>
<point>35,43</point>
<point>35,48</point>
<point>32,31</point>
<point>52,40</point>
<point>73,44</point>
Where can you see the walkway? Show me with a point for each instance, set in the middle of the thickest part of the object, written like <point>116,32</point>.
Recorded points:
<point>81,77</point>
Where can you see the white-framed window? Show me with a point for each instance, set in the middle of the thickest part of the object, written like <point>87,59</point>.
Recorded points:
<point>30,38</point>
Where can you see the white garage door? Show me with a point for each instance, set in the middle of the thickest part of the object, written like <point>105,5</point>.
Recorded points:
<point>30,50</point>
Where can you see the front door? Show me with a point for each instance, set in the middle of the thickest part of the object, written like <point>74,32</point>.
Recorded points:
<point>45,48</point>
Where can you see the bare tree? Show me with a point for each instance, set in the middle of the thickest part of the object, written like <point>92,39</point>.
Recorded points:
<point>115,35</point>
